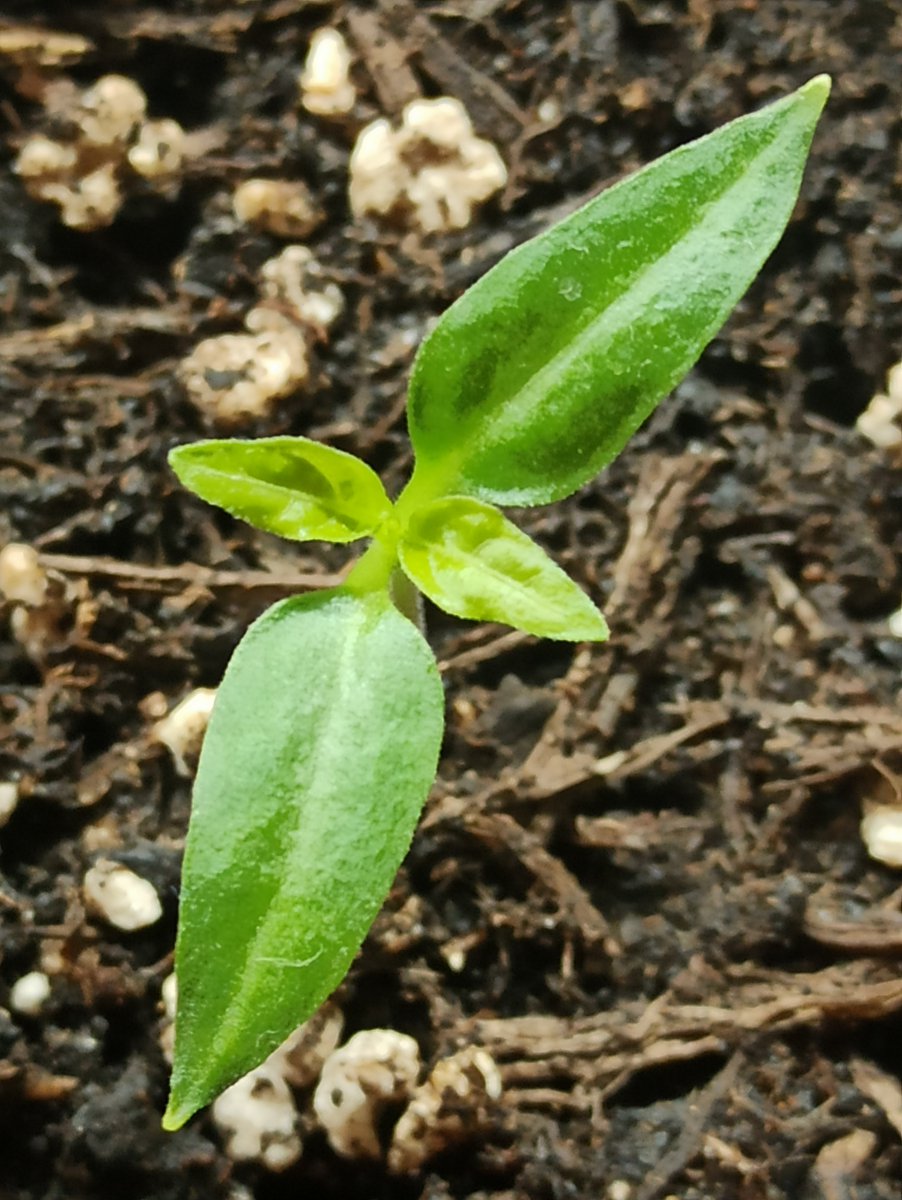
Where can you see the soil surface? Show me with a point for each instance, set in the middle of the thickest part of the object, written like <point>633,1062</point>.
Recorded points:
<point>639,883</point>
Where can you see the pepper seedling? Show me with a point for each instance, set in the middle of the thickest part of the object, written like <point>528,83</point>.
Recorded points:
<point>325,733</point>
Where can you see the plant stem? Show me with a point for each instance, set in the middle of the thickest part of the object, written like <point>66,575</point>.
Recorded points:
<point>373,570</point>
<point>407,599</point>
<point>420,490</point>
<point>377,570</point>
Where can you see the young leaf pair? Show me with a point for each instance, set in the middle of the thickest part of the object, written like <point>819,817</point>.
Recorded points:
<point>460,552</point>
<point>327,725</point>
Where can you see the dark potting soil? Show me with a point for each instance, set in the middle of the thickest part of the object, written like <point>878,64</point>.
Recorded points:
<point>639,883</point>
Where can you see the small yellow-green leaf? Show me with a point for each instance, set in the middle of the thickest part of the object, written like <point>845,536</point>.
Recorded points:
<point>320,752</point>
<point>471,561</point>
<point>291,486</point>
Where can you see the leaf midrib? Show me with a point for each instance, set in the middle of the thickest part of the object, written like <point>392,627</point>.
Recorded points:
<point>517,406</point>
<point>314,507</point>
<point>227,1033</point>
<point>547,608</point>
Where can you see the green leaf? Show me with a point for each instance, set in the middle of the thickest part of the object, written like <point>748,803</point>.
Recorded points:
<point>471,561</point>
<point>291,486</point>
<point>319,755</point>
<point>536,377</point>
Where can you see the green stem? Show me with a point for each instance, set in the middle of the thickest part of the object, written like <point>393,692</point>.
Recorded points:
<point>377,569</point>
<point>373,570</point>
<point>420,490</point>
<point>407,599</point>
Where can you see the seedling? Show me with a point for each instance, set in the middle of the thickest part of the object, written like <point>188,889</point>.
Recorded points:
<point>325,734</point>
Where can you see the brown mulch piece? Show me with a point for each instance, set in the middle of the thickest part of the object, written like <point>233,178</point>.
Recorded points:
<point>606,1050</point>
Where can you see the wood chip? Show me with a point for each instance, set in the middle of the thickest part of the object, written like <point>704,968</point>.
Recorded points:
<point>839,1161</point>
<point>885,1090</point>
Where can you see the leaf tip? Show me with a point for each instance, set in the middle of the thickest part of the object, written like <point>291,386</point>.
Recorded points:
<point>177,1114</point>
<point>189,1091</point>
<point>595,631</point>
<point>817,90</point>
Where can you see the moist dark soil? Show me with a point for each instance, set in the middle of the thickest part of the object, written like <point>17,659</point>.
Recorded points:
<point>639,883</point>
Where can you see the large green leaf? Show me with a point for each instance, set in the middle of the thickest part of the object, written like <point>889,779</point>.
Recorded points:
<point>292,486</point>
<point>471,561</point>
<point>320,752</point>
<point>538,375</point>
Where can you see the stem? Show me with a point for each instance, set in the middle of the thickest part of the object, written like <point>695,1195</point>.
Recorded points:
<point>407,599</point>
<point>373,570</point>
<point>420,490</point>
<point>377,570</point>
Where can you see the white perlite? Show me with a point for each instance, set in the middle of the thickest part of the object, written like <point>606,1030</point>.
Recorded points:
<point>258,1118</point>
<point>452,1106</point>
<point>168,1002</point>
<point>326,88</point>
<point>107,144</point>
<point>894,621</point>
<point>111,110</point>
<point>295,281</point>
<point>29,994</point>
<point>9,801</point>
<point>374,1067</point>
<point>432,172</point>
<point>182,730</point>
<point>239,376</point>
<point>881,421</point>
<point>881,832</point>
<point>22,578</point>
<point>280,206</point>
<point>159,150</point>
<point>257,1115</point>
<point>119,896</point>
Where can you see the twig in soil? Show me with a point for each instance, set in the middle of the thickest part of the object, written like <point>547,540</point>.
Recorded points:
<point>644,573</point>
<point>877,930</point>
<point>98,327</point>
<point>550,873</point>
<point>788,598</point>
<point>647,579</point>
<point>492,648</point>
<point>386,59</point>
<point>186,574</point>
<point>882,1088</point>
<point>842,741</point>
<point>548,773</point>
<point>553,1099</point>
<point>840,1161</point>
<point>219,31</point>
<point>494,112</point>
<point>614,1046</point>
